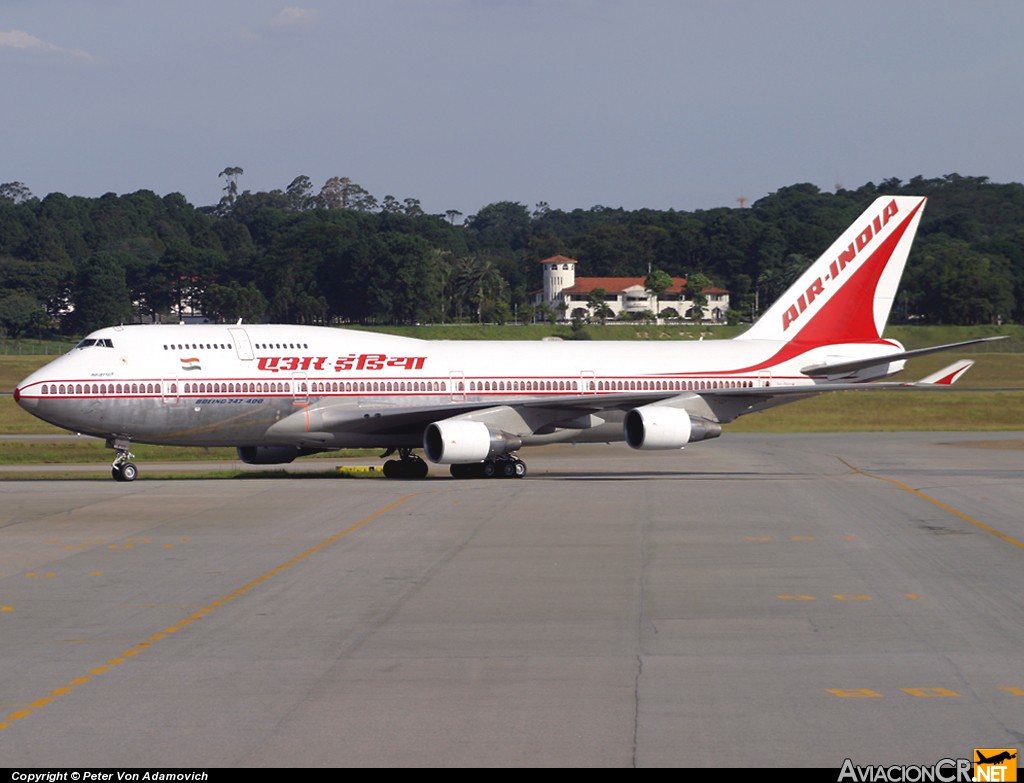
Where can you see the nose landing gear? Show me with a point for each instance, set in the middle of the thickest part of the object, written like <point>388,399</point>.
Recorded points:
<point>122,468</point>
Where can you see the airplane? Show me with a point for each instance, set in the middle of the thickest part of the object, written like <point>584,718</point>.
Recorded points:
<point>277,392</point>
<point>997,759</point>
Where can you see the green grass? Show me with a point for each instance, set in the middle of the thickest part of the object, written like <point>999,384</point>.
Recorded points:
<point>911,336</point>
<point>36,347</point>
<point>991,370</point>
<point>102,473</point>
<point>15,421</point>
<point>87,450</point>
<point>32,353</point>
<point>539,331</point>
<point>892,412</point>
<point>921,336</point>
<point>14,369</point>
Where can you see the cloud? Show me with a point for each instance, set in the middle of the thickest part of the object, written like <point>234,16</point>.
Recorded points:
<point>19,39</point>
<point>288,20</point>
<point>292,17</point>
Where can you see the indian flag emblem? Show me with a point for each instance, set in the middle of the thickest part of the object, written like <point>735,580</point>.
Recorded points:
<point>191,363</point>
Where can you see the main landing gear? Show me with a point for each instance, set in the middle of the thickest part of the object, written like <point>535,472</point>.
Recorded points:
<point>407,466</point>
<point>502,467</point>
<point>122,468</point>
<point>410,466</point>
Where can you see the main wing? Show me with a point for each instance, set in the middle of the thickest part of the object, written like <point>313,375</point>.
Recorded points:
<point>591,417</point>
<point>840,368</point>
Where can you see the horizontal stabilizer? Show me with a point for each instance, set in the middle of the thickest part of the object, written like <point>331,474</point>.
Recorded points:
<point>838,368</point>
<point>947,375</point>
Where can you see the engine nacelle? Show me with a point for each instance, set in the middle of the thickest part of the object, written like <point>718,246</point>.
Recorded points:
<point>661,427</point>
<point>449,442</point>
<point>267,455</point>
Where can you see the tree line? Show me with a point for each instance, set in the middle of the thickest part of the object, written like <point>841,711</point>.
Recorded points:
<point>70,264</point>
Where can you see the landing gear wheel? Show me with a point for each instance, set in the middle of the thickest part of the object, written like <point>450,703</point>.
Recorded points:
<point>122,469</point>
<point>507,467</point>
<point>418,469</point>
<point>461,470</point>
<point>408,467</point>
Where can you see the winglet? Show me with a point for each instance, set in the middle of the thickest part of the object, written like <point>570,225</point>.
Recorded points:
<point>947,376</point>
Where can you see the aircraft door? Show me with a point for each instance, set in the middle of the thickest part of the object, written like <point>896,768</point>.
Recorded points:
<point>764,379</point>
<point>457,385</point>
<point>300,388</point>
<point>588,385</point>
<point>242,345</point>
<point>169,391</point>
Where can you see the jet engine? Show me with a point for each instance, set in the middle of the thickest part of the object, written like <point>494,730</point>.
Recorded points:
<point>661,427</point>
<point>457,441</point>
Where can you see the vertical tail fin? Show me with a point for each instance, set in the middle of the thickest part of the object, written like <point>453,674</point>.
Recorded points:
<point>846,295</point>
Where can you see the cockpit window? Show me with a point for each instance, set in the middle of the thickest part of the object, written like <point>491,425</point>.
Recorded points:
<point>93,342</point>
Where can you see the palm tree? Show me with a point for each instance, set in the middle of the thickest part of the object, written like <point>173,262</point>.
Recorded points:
<point>479,284</point>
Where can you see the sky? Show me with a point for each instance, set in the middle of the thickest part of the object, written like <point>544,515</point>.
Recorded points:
<point>666,104</point>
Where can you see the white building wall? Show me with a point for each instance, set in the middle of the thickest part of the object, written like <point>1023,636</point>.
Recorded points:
<point>560,275</point>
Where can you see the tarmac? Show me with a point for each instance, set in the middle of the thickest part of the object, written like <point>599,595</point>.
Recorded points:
<point>753,601</point>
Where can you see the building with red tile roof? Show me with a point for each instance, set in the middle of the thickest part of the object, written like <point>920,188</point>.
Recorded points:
<point>625,297</point>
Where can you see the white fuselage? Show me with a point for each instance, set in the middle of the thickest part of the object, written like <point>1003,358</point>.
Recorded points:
<point>229,385</point>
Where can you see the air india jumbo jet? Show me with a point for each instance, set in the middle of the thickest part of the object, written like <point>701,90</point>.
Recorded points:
<point>277,392</point>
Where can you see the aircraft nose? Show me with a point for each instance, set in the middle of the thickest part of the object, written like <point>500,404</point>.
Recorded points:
<point>28,403</point>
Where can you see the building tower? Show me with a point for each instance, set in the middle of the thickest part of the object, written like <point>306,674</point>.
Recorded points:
<point>559,273</point>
